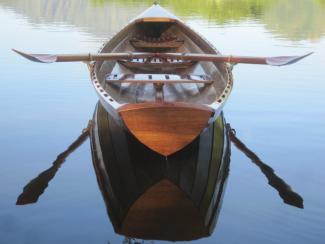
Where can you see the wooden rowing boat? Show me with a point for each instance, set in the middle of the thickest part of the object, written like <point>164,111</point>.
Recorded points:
<point>149,197</point>
<point>164,103</point>
<point>160,79</point>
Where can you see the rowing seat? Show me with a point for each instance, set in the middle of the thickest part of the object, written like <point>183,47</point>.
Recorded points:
<point>157,78</point>
<point>160,43</point>
<point>156,64</point>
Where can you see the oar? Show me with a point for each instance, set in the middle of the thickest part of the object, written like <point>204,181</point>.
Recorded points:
<point>274,61</point>
<point>285,191</point>
<point>37,186</point>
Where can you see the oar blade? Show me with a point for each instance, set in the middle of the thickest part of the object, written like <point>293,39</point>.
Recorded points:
<point>40,58</point>
<point>285,60</point>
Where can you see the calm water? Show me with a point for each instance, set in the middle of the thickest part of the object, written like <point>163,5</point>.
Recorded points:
<point>278,112</point>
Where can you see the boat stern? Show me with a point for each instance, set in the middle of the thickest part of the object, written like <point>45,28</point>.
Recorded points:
<point>165,127</point>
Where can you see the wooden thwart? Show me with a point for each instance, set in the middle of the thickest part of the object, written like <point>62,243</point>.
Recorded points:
<point>142,44</point>
<point>158,78</point>
<point>156,64</point>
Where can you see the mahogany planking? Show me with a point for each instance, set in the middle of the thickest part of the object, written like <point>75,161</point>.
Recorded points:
<point>165,127</point>
<point>166,212</point>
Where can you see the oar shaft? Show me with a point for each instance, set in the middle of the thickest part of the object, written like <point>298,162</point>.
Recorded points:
<point>180,56</point>
<point>100,56</point>
<point>214,58</point>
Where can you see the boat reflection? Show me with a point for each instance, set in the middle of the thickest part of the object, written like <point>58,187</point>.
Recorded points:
<point>149,196</point>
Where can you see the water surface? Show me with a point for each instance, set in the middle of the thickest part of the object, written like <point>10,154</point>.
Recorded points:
<point>278,112</point>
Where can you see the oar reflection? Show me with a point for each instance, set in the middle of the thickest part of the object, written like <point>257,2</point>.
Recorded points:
<point>36,187</point>
<point>285,191</point>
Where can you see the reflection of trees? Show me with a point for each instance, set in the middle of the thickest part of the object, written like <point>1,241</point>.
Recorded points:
<point>102,20</point>
<point>296,19</point>
<point>220,11</point>
<point>291,19</point>
<point>321,2</point>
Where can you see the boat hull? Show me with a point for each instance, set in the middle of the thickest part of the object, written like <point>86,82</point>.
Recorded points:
<point>149,196</point>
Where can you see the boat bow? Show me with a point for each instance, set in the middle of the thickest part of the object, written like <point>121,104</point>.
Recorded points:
<point>156,14</point>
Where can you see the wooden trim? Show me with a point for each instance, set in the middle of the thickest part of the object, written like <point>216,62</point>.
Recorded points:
<point>155,19</point>
<point>165,127</point>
